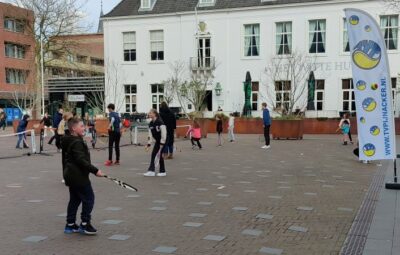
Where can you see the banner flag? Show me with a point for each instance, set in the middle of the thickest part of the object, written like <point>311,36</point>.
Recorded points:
<point>372,87</point>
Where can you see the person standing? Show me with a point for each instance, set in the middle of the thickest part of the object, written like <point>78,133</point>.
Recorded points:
<point>344,126</point>
<point>195,134</point>
<point>231,127</point>
<point>267,125</point>
<point>114,135</point>
<point>56,121</point>
<point>46,121</point>
<point>76,169</point>
<point>21,132</point>
<point>3,120</point>
<point>158,136</point>
<point>219,129</point>
<point>169,119</point>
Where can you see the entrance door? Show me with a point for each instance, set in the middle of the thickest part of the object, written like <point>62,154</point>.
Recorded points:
<point>208,101</point>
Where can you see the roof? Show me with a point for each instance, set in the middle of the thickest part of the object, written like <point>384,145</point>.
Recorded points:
<point>131,7</point>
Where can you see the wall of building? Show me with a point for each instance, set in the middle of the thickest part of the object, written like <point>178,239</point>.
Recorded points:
<point>226,29</point>
<point>26,39</point>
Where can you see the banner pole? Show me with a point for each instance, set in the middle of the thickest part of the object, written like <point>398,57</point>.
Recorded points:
<point>395,170</point>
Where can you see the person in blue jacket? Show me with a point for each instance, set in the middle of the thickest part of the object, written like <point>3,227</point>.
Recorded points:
<point>20,130</point>
<point>267,125</point>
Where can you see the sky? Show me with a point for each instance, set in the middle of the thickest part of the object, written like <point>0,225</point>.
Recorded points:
<point>92,9</point>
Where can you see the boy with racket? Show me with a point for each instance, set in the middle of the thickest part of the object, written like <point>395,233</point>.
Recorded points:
<point>77,167</point>
<point>158,136</point>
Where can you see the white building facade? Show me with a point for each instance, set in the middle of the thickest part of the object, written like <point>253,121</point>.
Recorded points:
<point>142,38</point>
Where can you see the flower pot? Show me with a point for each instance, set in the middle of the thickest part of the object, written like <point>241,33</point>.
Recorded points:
<point>287,129</point>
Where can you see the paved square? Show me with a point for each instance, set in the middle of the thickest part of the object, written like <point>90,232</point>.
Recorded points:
<point>311,217</point>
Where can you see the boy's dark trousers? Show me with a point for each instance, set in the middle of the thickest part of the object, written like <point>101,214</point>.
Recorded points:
<point>78,195</point>
<point>152,167</point>
<point>113,138</point>
<point>196,140</point>
<point>266,134</point>
<point>53,137</point>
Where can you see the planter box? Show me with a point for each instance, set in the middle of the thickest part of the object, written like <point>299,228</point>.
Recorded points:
<point>287,129</point>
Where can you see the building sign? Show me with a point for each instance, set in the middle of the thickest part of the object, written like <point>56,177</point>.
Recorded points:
<point>76,98</point>
<point>372,89</point>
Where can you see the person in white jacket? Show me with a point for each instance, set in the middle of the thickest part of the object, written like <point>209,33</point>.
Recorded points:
<point>231,127</point>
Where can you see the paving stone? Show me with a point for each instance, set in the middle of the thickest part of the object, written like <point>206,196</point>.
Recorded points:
<point>14,186</point>
<point>252,232</point>
<point>34,201</point>
<point>168,183</point>
<point>245,172</point>
<point>310,194</point>
<point>337,176</point>
<point>328,186</point>
<point>119,237</point>
<point>305,208</point>
<point>275,197</point>
<point>238,208</point>
<point>264,216</point>
<point>34,178</point>
<point>263,171</point>
<point>221,177</point>
<point>223,195</point>
<point>192,224</point>
<point>216,238</point>
<point>284,187</point>
<point>112,222</point>
<point>158,208</point>
<point>192,179</point>
<point>34,239</point>
<point>263,176</point>
<point>62,215</point>
<point>311,175</point>
<point>173,193</point>
<point>344,209</point>
<point>243,182</point>
<point>271,251</point>
<point>202,189</point>
<point>198,215</point>
<point>217,173</point>
<point>250,191</point>
<point>288,175</point>
<point>298,229</point>
<point>160,201</point>
<point>282,182</point>
<point>323,181</point>
<point>133,195</point>
<point>165,249</point>
<point>113,209</point>
<point>349,181</point>
<point>204,203</point>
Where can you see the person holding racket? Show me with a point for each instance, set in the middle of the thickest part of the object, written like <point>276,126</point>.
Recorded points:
<point>158,136</point>
<point>76,169</point>
<point>114,135</point>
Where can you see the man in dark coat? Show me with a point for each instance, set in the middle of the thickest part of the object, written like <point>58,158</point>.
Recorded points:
<point>169,120</point>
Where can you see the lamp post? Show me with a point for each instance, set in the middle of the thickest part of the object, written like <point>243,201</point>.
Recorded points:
<point>218,89</point>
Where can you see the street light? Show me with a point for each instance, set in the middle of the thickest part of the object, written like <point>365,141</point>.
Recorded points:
<point>218,89</point>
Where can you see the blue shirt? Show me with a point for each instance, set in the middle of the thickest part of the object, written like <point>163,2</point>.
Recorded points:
<point>266,117</point>
<point>117,121</point>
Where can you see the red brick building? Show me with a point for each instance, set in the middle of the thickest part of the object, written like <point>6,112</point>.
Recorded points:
<point>17,47</point>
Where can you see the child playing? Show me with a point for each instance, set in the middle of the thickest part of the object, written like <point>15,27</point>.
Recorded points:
<point>158,135</point>
<point>344,125</point>
<point>20,130</point>
<point>231,127</point>
<point>195,133</point>
<point>76,169</point>
<point>219,129</point>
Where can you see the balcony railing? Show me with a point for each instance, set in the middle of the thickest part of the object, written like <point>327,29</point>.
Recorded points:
<point>202,64</point>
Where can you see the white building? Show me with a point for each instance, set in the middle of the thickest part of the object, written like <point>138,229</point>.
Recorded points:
<point>143,37</point>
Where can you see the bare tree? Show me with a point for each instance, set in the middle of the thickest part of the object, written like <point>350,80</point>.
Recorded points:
<point>96,101</point>
<point>287,82</point>
<point>25,100</point>
<point>195,91</point>
<point>52,18</point>
<point>115,79</point>
<point>393,4</point>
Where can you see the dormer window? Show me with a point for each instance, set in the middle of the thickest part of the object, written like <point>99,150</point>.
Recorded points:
<point>204,3</point>
<point>147,5</point>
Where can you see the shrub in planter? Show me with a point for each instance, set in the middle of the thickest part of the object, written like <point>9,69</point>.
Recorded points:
<point>287,127</point>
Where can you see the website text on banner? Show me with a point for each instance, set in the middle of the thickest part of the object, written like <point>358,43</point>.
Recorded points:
<point>372,88</point>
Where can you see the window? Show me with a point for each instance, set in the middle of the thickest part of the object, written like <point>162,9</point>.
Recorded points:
<point>252,40</point>
<point>349,103</point>
<point>157,95</point>
<point>70,58</point>
<point>390,28</point>
<point>206,2</point>
<point>157,45</point>
<point>317,36</point>
<point>254,95</point>
<point>81,59</point>
<point>129,46</point>
<point>146,4</point>
<point>14,50</point>
<point>97,61</point>
<point>14,25</point>
<point>319,94</point>
<point>16,76</point>
<point>204,52</point>
<point>346,44</point>
<point>282,92</point>
<point>130,98</point>
<point>283,38</point>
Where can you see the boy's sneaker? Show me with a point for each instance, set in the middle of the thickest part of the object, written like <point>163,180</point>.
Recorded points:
<point>87,229</point>
<point>71,228</point>
<point>108,163</point>
<point>161,174</point>
<point>266,147</point>
<point>116,163</point>
<point>149,174</point>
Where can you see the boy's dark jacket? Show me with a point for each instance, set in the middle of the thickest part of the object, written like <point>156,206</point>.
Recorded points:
<point>76,161</point>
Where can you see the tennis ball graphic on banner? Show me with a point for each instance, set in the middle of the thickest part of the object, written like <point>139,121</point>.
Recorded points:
<point>369,150</point>
<point>354,20</point>
<point>374,130</point>
<point>361,85</point>
<point>367,54</point>
<point>368,28</point>
<point>374,86</point>
<point>362,120</point>
<point>369,104</point>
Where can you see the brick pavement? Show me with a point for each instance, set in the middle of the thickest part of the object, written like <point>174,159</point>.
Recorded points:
<point>300,197</point>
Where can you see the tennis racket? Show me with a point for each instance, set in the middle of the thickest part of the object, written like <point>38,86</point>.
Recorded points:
<point>121,183</point>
